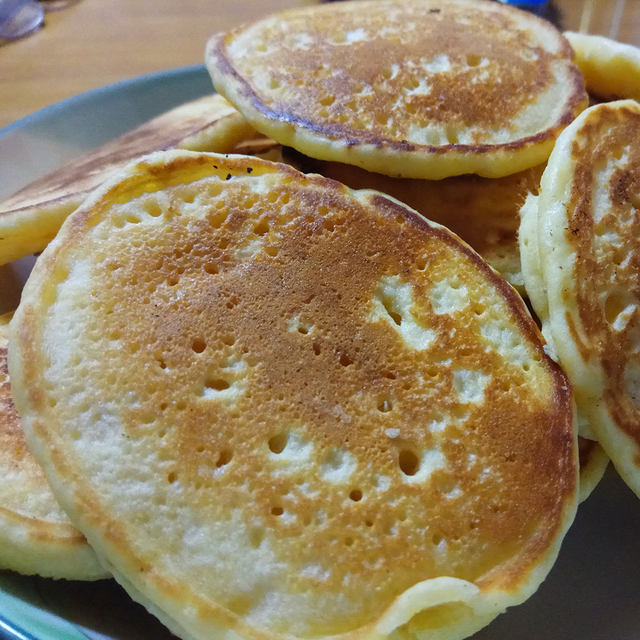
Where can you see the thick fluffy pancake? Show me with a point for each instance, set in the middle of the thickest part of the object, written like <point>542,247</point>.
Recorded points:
<point>588,255</point>
<point>282,407</point>
<point>611,69</point>
<point>483,211</point>
<point>35,535</point>
<point>31,218</point>
<point>419,89</point>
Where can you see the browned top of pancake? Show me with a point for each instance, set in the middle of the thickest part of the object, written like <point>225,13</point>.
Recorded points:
<point>260,333</point>
<point>604,227</point>
<point>387,73</point>
<point>483,211</point>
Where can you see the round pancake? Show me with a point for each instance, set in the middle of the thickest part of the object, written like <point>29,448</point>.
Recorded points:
<point>281,407</point>
<point>36,536</point>
<point>418,89</point>
<point>611,69</point>
<point>31,218</point>
<point>587,240</point>
<point>483,211</point>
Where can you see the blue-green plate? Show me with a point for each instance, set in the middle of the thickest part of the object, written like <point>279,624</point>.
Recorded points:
<point>593,591</point>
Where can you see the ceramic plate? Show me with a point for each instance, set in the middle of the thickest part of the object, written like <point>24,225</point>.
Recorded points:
<point>593,591</point>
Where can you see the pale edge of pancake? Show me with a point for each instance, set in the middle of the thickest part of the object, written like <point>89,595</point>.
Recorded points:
<point>476,608</point>
<point>494,161</point>
<point>592,469</point>
<point>557,266</point>
<point>611,69</point>
<point>50,549</point>
<point>535,287</point>
<point>29,228</point>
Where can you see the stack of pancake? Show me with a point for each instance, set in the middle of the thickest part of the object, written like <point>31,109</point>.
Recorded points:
<point>303,398</point>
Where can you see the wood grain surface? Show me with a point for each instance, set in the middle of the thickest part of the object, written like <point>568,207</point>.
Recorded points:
<point>91,43</point>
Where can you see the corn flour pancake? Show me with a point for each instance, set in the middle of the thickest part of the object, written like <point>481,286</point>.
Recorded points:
<point>281,408</point>
<point>35,534</point>
<point>611,69</point>
<point>483,211</point>
<point>581,263</point>
<point>31,218</point>
<point>418,89</point>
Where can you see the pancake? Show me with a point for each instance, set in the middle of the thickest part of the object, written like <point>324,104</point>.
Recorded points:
<point>593,463</point>
<point>278,407</point>
<point>36,537</point>
<point>483,211</point>
<point>611,69</point>
<point>31,218</point>
<point>588,255</point>
<point>415,89</point>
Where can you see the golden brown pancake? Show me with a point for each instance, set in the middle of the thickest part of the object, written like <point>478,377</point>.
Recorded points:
<point>278,407</point>
<point>611,69</point>
<point>483,211</point>
<point>30,218</point>
<point>35,535</point>
<point>418,89</point>
<point>586,239</point>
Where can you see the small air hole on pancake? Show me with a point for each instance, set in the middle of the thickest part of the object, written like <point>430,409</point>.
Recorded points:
<point>408,462</point>
<point>436,539</point>
<point>224,458</point>
<point>132,219</point>
<point>395,316</point>
<point>152,208</point>
<point>355,495</point>
<point>385,405</point>
<point>216,218</point>
<point>473,60</point>
<point>171,477</point>
<point>198,345</point>
<point>316,348</point>
<point>345,360</point>
<point>256,536</point>
<point>277,510</point>
<point>348,541</point>
<point>218,384</point>
<point>261,227</point>
<point>211,268</point>
<point>278,442</point>
<point>614,305</point>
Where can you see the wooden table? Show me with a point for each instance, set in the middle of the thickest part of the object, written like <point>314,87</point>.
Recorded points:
<point>91,43</point>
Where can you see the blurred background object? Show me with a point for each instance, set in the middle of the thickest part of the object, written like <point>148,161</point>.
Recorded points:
<point>19,18</point>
